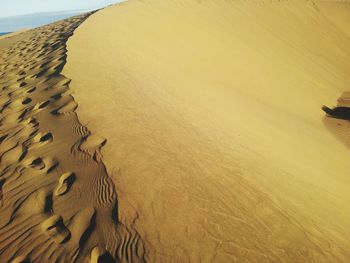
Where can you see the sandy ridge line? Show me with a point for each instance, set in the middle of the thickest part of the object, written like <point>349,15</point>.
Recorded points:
<point>57,202</point>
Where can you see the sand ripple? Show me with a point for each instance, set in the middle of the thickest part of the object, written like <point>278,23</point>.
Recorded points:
<point>57,203</point>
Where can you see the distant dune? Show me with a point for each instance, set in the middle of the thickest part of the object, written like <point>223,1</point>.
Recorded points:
<point>15,23</point>
<point>178,131</point>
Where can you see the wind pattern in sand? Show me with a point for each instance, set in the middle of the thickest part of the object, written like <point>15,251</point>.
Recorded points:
<point>57,202</point>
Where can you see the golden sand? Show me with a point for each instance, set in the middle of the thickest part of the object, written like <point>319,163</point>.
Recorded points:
<point>216,139</point>
<point>11,35</point>
<point>178,131</point>
<point>57,203</point>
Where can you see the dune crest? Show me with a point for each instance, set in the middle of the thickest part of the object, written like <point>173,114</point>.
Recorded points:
<point>57,203</point>
<point>178,131</point>
<point>212,111</point>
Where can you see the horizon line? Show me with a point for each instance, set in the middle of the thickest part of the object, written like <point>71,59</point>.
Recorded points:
<point>52,12</point>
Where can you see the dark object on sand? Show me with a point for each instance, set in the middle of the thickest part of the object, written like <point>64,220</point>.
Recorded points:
<point>338,112</point>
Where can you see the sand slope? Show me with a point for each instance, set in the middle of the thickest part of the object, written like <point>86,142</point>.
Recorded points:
<point>57,203</point>
<point>216,140</point>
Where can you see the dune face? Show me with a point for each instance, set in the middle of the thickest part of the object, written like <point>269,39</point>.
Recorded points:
<point>216,138</point>
<point>57,203</point>
<point>178,131</point>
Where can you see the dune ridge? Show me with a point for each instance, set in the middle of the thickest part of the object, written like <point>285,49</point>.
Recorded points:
<point>178,131</point>
<point>57,202</point>
<point>216,136</point>
<point>12,34</point>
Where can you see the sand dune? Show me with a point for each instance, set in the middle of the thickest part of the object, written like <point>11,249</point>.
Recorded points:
<point>216,140</point>
<point>57,204</point>
<point>178,131</point>
<point>10,35</point>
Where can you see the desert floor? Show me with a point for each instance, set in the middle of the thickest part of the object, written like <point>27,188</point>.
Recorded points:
<point>178,131</point>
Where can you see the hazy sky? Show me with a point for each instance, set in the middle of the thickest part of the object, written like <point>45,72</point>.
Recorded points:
<point>21,7</point>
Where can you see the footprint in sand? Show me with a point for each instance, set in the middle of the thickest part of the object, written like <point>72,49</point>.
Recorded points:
<point>67,108</point>
<point>64,184</point>
<point>21,259</point>
<point>82,226</point>
<point>55,228</point>
<point>39,202</point>
<point>92,144</point>
<point>31,90</point>
<point>48,137</point>
<point>26,101</point>
<point>41,139</point>
<point>38,163</point>
<point>12,156</point>
<point>99,256</point>
<point>51,164</point>
<point>44,104</point>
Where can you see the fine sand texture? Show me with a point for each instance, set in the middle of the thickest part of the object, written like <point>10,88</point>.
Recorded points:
<point>216,140</point>
<point>57,203</point>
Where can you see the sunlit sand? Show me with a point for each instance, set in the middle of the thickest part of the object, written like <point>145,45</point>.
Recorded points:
<point>178,131</point>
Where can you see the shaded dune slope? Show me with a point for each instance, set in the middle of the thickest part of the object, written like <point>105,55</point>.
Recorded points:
<point>57,203</point>
<point>216,136</point>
